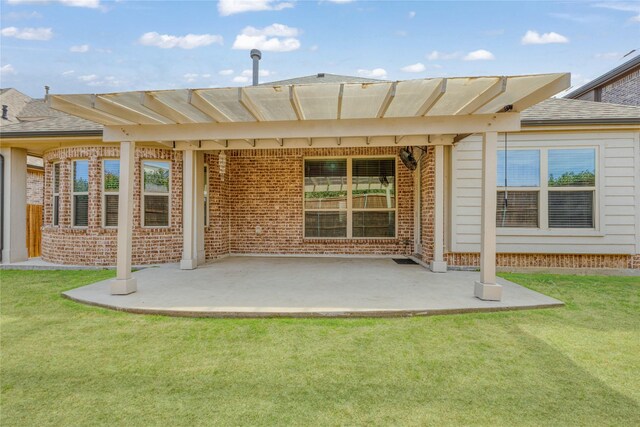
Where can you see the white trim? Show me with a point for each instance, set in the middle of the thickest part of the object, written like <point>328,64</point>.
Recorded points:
<point>144,193</point>
<point>55,221</point>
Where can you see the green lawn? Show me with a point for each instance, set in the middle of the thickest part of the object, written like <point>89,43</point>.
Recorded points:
<point>63,363</point>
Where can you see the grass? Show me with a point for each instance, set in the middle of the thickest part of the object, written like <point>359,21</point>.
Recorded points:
<point>63,363</point>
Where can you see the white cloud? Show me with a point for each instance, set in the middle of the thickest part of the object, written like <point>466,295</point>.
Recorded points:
<point>533,37</point>
<point>437,55</point>
<point>313,48</point>
<point>414,68</point>
<point>190,41</point>
<point>191,77</point>
<point>227,72</point>
<point>88,78</point>
<point>241,79</point>
<point>402,33</point>
<point>83,48</point>
<point>623,7</point>
<point>15,16</point>
<point>231,7</point>
<point>274,38</point>
<point>92,4</point>
<point>68,72</point>
<point>479,55</point>
<point>7,69</point>
<point>608,55</point>
<point>412,14</point>
<point>28,33</point>
<point>261,73</point>
<point>376,73</point>
<point>341,1</point>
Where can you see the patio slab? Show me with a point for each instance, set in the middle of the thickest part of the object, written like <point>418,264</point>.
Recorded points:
<point>305,287</point>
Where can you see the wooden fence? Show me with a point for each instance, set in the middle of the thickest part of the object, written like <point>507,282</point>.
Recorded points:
<point>34,229</point>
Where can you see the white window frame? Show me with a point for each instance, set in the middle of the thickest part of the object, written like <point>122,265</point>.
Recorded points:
<point>543,196</point>
<point>150,193</point>
<point>55,194</point>
<point>349,209</point>
<point>78,193</point>
<point>105,193</point>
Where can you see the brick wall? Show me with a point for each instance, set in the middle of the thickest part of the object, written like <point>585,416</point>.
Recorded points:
<point>265,190</point>
<point>216,234</point>
<point>427,189</point>
<point>35,186</point>
<point>623,91</point>
<point>95,245</point>
<point>547,260</point>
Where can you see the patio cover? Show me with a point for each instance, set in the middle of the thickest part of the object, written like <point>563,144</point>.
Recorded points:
<point>459,105</point>
<point>312,114</point>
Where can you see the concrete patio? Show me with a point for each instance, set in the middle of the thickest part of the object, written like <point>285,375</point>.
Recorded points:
<point>305,287</point>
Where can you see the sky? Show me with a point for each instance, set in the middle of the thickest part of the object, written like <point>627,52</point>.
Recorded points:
<point>99,46</point>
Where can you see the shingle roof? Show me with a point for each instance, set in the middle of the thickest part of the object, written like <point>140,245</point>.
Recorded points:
<point>60,125</point>
<point>37,108</point>
<point>573,111</point>
<point>322,78</point>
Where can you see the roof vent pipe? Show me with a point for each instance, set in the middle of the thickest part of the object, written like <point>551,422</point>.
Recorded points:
<point>5,110</point>
<point>256,55</point>
<point>46,92</point>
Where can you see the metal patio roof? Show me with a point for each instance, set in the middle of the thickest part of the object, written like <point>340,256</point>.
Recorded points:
<point>433,97</point>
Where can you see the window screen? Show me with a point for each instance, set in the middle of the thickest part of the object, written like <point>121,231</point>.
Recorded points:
<point>111,185</point>
<point>325,224</point>
<point>571,209</point>
<point>156,193</point>
<point>80,193</point>
<point>374,224</point>
<point>56,193</point>
<point>572,168</point>
<point>519,209</point>
<point>373,184</point>
<point>521,168</point>
<point>325,184</point>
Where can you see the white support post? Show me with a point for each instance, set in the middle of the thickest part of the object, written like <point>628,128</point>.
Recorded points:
<point>198,236</point>
<point>486,288</point>
<point>189,257</point>
<point>438,265</point>
<point>124,282</point>
<point>14,181</point>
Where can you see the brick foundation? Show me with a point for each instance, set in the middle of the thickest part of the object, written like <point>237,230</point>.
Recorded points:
<point>547,260</point>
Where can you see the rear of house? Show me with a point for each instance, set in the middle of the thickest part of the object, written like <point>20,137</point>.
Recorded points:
<point>568,193</point>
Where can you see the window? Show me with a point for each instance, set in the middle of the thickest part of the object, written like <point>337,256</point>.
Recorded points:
<point>519,169</point>
<point>572,186</point>
<point>567,192</point>
<point>80,194</point>
<point>350,198</point>
<point>110,187</point>
<point>56,193</point>
<point>156,193</point>
<point>206,195</point>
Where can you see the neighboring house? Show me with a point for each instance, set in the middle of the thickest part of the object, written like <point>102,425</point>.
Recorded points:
<point>618,86</point>
<point>237,176</point>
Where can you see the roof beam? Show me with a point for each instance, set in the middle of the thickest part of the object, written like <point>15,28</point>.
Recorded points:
<point>112,107</point>
<point>85,111</point>
<point>556,85</point>
<point>152,102</point>
<point>484,97</point>
<point>391,93</point>
<point>199,102</point>
<point>295,103</point>
<point>248,104</point>
<point>340,96</point>
<point>504,122</point>
<point>433,97</point>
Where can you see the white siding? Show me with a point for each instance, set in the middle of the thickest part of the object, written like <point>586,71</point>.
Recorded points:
<point>617,197</point>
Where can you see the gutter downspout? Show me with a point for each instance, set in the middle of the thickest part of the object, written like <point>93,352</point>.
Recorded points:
<point>1,205</point>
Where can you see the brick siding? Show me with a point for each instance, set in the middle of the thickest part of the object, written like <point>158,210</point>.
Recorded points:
<point>266,189</point>
<point>623,91</point>
<point>35,187</point>
<point>95,245</point>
